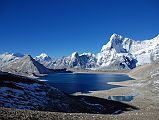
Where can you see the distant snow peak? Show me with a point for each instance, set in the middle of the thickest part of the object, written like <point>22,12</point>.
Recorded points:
<point>115,36</point>
<point>87,54</point>
<point>42,57</point>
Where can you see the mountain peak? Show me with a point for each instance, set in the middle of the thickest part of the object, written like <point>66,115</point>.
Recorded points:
<point>74,54</point>
<point>115,36</point>
<point>43,57</point>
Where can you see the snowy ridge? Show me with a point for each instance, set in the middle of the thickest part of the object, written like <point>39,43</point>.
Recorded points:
<point>85,60</point>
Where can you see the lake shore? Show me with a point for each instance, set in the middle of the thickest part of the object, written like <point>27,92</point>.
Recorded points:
<point>100,71</point>
<point>145,99</point>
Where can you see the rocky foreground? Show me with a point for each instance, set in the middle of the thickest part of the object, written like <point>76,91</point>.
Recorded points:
<point>14,114</point>
<point>145,105</point>
<point>30,94</point>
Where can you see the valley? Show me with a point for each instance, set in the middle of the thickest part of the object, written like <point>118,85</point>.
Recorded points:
<point>22,91</point>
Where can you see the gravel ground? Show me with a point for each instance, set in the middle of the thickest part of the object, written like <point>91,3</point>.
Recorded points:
<point>13,114</point>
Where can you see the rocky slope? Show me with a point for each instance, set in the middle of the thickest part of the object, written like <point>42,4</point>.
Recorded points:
<point>6,58</point>
<point>146,71</point>
<point>25,66</point>
<point>25,93</point>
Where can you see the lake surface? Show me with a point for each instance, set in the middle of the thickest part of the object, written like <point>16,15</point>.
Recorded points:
<point>121,98</point>
<point>82,82</point>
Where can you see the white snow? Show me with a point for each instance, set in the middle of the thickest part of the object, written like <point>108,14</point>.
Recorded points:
<point>141,51</point>
<point>42,57</point>
<point>29,97</point>
<point>118,53</point>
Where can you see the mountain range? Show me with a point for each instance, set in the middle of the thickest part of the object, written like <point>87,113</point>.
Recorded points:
<point>119,53</point>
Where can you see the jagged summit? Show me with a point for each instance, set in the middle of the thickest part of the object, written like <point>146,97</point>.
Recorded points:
<point>115,36</point>
<point>74,55</point>
<point>88,54</point>
<point>118,43</point>
<point>42,57</point>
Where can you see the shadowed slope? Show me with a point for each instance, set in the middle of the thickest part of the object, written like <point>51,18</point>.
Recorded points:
<point>24,93</point>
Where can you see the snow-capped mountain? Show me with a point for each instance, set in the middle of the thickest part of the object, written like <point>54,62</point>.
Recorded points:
<point>118,53</point>
<point>9,57</point>
<point>25,66</point>
<point>42,57</point>
<point>115,54</point>
<point>85,60</point>
<point>127,53</point>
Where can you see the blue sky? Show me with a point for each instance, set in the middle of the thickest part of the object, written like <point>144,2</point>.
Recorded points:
<point>60,27</point>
